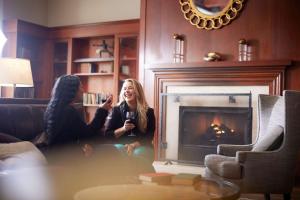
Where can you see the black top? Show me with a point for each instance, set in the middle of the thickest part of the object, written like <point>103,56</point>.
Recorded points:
<point>118,117</point>
<point>73,127</point>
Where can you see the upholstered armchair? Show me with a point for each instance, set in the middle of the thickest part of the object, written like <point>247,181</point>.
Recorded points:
<point>267,166</point>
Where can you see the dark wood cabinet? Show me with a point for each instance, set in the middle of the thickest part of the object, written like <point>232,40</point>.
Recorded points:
<point>29,41</point>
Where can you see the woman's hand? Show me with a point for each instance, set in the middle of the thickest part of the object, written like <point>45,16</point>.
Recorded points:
<point>128,125</point>
<point>130,147</point>
<point>107,105</point>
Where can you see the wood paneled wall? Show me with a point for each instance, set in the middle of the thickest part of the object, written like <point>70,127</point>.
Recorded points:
<point>272,27</point>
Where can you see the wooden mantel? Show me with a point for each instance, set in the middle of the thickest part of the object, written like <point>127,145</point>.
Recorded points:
<point>232,73</point>
<point>224,65</point>
<point>270,73</point>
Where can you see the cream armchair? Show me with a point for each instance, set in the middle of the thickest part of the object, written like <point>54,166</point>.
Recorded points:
<point>268,166</point>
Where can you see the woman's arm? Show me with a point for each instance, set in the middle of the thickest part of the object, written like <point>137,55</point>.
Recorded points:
<point>117,126</point>
<point>115,122</point>
<point>83,130</point>
<point>147,137</point>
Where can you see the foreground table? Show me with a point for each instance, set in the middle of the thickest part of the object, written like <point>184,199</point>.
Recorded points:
<point>205,189</point>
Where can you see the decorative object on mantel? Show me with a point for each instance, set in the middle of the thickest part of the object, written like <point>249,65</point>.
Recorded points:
<point>178,48</point>
<point>212,56</point>
<point>245,50</point>
<point>210,14</point>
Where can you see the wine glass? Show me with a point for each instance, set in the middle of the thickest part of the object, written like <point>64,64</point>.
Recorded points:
<point>103,97</point>
<point>131,116</point>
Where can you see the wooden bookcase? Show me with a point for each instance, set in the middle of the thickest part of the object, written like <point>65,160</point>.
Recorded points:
<point>102,55</point>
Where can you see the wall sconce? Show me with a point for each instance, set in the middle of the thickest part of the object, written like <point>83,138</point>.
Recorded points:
<point>15,72</point>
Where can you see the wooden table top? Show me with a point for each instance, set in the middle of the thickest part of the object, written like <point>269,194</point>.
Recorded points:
<point>205,189</point>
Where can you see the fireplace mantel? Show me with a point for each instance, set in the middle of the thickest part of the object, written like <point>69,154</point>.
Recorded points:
<point>269,73</point>
<point>221,65</point>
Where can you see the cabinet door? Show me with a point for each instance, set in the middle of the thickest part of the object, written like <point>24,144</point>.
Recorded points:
<point>60,57</point>
<point>127,58</point>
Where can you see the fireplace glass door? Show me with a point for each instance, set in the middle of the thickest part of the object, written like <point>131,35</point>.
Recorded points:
<point>193,125</point>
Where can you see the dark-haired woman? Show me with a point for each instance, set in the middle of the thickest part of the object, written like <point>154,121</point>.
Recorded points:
<point>63,123</point>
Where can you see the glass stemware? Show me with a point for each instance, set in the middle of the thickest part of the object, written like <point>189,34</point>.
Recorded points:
<point>131,116</point>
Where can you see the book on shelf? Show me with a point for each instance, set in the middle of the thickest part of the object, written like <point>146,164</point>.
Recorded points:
<point>160,178</point>
<point>94,98</point>
<point>185,179</point>
<point>85,68</point>
<point>105,67</point>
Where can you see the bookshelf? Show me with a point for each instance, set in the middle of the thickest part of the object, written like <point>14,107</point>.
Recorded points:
<point>101,55</point>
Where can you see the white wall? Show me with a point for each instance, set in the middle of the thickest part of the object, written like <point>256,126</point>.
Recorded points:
<point>71,12</point>
<point>2,40</point>
<point>1,13</point>
<point>34,11</point>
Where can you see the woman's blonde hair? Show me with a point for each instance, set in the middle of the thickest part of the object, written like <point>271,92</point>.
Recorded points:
<point>142,105</point>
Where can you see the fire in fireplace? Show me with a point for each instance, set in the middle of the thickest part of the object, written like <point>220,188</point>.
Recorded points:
<point>201,129</point>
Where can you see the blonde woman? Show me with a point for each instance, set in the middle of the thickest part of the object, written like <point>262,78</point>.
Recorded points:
<point>132,122</point>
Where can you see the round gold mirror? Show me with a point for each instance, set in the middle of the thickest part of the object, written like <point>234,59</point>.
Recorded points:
<point>210,14</point>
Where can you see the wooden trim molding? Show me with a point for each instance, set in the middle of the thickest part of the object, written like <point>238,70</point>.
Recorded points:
<point>231,73</point>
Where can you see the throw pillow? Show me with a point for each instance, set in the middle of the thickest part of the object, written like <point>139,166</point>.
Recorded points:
<point>271,140</point>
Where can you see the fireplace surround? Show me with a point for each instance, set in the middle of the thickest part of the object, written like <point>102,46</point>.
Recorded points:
<point>267,74</point>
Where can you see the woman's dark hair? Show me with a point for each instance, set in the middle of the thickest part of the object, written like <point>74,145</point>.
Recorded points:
<point>63,93</point>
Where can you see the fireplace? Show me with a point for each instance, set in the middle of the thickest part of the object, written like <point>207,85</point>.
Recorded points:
<point>201,129</point>
<point>257,77</point>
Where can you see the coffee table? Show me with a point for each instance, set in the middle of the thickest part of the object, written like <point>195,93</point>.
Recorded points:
<point>205,189</point>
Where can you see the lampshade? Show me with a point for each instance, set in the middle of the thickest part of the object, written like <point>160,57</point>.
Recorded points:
<point>15,72</point>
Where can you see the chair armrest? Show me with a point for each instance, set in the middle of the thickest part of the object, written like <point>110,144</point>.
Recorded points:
<point>230,150</point>
<point>246,157</point>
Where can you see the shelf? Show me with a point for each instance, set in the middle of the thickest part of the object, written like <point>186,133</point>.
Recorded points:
<point>94,74</point>
<point>128,58</point>
<point>89,60</point>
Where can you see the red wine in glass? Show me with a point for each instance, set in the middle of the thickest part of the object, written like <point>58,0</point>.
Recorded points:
<point>103,97</point>
<point>131,117</point>
<point>103,100</point>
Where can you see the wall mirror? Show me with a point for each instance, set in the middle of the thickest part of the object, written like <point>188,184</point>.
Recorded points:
<point>210,14</point>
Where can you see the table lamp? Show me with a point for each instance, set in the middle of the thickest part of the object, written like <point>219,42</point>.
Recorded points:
<point>15,72</point>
